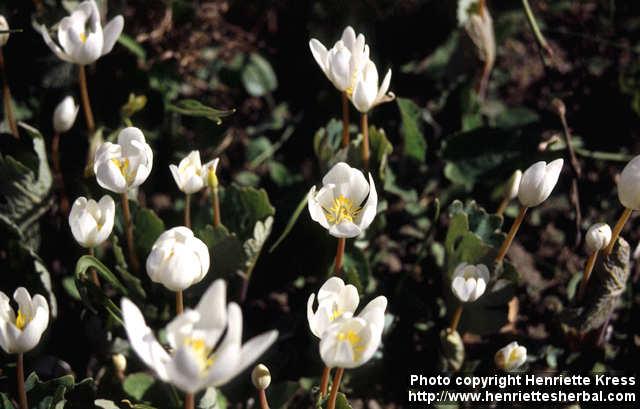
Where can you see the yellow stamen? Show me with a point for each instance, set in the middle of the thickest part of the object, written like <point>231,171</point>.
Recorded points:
<point>337,313</point>
<point>513,355</point>
<point>202,352</point>
<point>342,209</point>
<point>83,37</point>
<point>354,339</point>
<point>21,320</point>
<point>122,165</point>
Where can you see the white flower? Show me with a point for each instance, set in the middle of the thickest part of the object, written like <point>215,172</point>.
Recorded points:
<point>538,181</point>
<point>178,259</point>
<point>342,63</point>
<point>65,115</point>
<point>119,362</point>
<point>469,281</point>
<point>339,206</point>
<point>367,94</point>
<point>261,377</point>
<point>199,356</point>
<point>598,237</point>
<point>4,26</point>
<point>190,175</point>
<point>511,357</point>
<point>513,185</point>
<point>335,300</point>
<point>125,165</point>
<point>351,341</point>
<point>21,333</point>
<point>629,185</point>
<point>81,37</point>
<point>91,223</point>
<point>465,9</point>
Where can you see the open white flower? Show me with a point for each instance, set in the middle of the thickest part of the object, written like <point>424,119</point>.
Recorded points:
<point>629,185</point>
<point>367,94</point>
<point>339,206</point>
<point>81,37</point>
<point>21,333</point>
<point>199,356</point>
<point>350,342</point>
<point>4,26</point>
<point>335,300</point>
<point>178,259</point>
<point>538,181</point>
<point>342,63</point>
<point>511,357</point>
<point>123,165</point>
<point>91,222</point>
<point>190,175</point>
<point>64,116</point>
<point>469,281</point>
<point>598,237</point>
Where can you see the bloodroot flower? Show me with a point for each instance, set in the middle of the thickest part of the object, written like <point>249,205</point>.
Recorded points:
<point>511,357</point>
<point>346,204</point>
<point>21,332</point>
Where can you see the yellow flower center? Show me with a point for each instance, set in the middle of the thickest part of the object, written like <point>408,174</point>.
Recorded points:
<point>342,209</point>
<point>513,356</point>
<point>83,37</point>
<point>201,351</point>
<point>354,340</point>
<point>123,166</point>
<point>21,320</point>
<point>337,313</point>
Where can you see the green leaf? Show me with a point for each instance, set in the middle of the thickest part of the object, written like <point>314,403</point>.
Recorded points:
<point>226,250</point>
<point>86,262</point>
<point>415,144</point>
<point>137,384</point>
<point>148,227</point>
<point>131,281</point>
<point>191,107</point>
<point>242,208</point>
<point>381,148</point>
<point>258,77</point>
<point>5,402</point>
<point>342,402</point>
<point>355,259</point>
<point>132,45</point>
<point>292,221</point>
<point>46,395</point>
<point>105,404</point>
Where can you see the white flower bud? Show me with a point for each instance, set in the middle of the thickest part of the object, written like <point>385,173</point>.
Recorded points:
<point>261,377</point>
<point>629,185</point>
<point>91,222</point>
<point>21,332</point>
<point>4,26</point>
<point>511,357</point>
<point>178,259</point>
<point>513,185</point>
<point>190,175</point>
<point>598,237</point>
<point>65,115</point>
<point>469,281</point>
<point>119,362</point>
<point>538,181</point>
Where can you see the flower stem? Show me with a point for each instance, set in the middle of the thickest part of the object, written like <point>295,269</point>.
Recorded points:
<point>94,273</point>
<point>617,229</point>
<point>339,255</point>
<point>345,120</point>
<point>455,320</point>
<point>334,388</point>
<point>55,159</point>
<point>215,205</point>
<point>365,141</point>
<point>179,302</point>
<point>324,381</point>
<point>22,393</point>
<point>503,205</point>
<point>126,212</point>
<point>86,103</point>
<point>262,394</point>
<point>189,401</point>
<point>512,233</point>
<point>6,97</point>
<point>187,210</point>
<point>588,268</point>
<point>542,42</point>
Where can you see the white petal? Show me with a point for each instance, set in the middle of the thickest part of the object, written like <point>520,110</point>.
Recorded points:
<point>319,52</point>
<point>460,289</point>
<point>315,210</point>
<point>212,305</point>
<point>370,209</point>
<point>53,46</point>
<point>629,184</point>
<point>338,174</point>
<point>345,229</point>
<point>112,31</point>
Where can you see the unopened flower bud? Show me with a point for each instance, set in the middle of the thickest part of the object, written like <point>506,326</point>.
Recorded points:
<point>598,237</point>
<point>538,181</point>
<point>4,26</point>
<point>261,377</point>
<point>513,184</point>
<point>119,362</point>
<point>629,186</point>
<point>65,115</point>
<point>212,178</point>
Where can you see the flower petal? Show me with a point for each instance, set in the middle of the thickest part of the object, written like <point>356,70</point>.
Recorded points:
<point>112,31</point>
